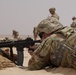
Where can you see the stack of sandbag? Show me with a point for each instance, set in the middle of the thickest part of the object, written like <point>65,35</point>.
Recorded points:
<point>4,62</point>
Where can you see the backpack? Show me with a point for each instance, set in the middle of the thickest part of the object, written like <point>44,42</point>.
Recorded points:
<point>65,54</point>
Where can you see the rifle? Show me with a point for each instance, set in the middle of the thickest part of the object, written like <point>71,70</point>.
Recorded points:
<point>18,44</point>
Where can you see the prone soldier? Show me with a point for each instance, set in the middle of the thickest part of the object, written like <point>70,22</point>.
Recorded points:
<point>57,49</point>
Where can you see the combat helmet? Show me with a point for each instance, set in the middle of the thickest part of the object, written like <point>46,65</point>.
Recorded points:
<point>73,18</point>
<point>52,9</point>
<point>47,26</point>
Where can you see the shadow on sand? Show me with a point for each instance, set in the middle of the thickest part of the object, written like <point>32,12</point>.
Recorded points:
<point>63,71</point>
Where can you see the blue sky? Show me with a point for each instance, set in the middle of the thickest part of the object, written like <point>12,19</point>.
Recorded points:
<point>23,15</point>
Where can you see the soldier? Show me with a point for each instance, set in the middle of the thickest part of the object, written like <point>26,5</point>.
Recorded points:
<point>58,48</point>
<point>35,33</point>
<point>41,35</point>
<point>73,25</point>
<point>53,14</point>
<point>15,34</point>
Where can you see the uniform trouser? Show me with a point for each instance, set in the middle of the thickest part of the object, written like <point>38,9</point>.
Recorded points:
<point>72,59</point>
<point>36,65</point>
<point>20,56</point>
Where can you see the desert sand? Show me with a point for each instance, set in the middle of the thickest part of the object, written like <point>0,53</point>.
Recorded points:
<point>24,71</point>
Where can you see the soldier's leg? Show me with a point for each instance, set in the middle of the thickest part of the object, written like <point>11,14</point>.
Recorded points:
<point>33,65</point>
<point>72,59</point>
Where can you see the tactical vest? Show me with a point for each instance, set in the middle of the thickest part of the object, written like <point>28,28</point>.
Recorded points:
<point>65,54</point>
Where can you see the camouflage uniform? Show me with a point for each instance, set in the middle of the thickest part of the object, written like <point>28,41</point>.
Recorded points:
<point>59,49</point>
<point>43,24</point>
<point>35,33</point>
<point>46,23</point>
<point>54,15</point>
<point>73,25</point>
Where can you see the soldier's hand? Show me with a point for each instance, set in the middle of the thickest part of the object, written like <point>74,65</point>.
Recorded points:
<point>30,52</point>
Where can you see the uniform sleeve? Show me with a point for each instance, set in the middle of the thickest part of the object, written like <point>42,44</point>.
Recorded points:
<point>44,48</point>
<point>38,60</point>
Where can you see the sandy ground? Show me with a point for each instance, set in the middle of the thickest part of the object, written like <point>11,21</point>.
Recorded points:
<point>24,71</point>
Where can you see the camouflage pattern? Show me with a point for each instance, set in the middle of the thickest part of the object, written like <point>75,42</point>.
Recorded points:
<point>44,53</point>
<point>38,60</point>
<point>35,33</point>
<point>57,50</point>
<point>71,43</point>
<point>73,25</point>
<point>55,16</point>
<point>54,21</point>
<point>49,25</point>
